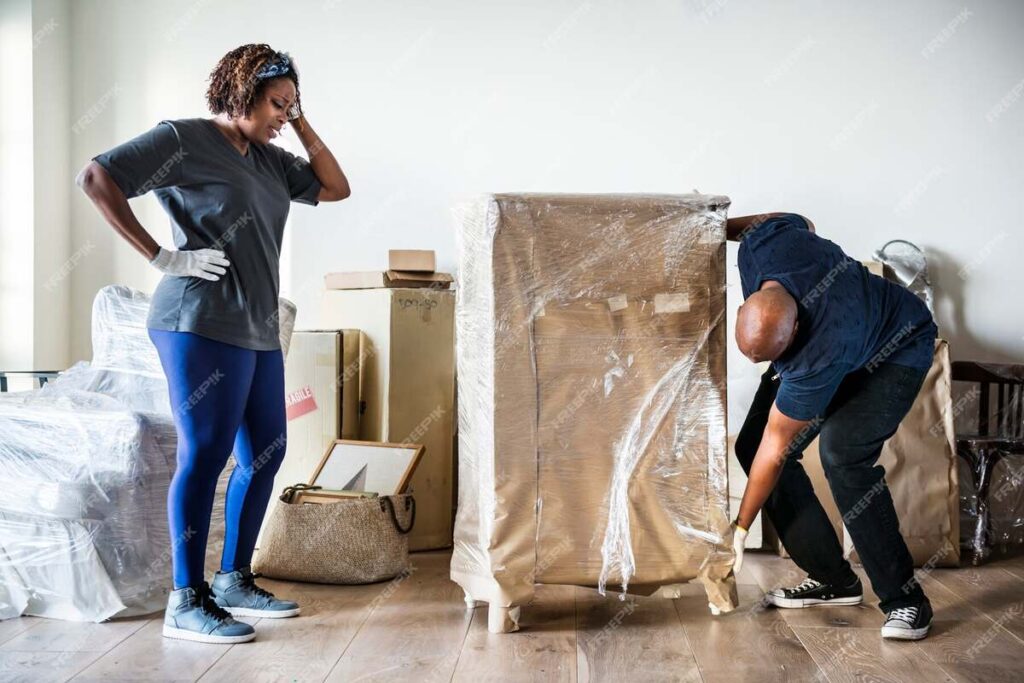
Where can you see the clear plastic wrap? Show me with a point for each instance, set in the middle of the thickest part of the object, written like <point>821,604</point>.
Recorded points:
<point>592,429</point>
<point>990,442</point>
<point>992,498</point>
<point>85,464</point>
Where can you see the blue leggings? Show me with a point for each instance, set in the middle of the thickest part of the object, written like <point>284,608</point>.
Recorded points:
<point>223,398</point>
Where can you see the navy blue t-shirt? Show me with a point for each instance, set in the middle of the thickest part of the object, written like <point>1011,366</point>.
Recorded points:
<point>848,317</point>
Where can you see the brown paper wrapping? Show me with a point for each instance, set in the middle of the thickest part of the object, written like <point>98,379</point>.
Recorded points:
<point>591,360</point>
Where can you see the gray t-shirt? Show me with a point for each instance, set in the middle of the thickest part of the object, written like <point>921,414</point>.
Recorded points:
<point>217,199</point>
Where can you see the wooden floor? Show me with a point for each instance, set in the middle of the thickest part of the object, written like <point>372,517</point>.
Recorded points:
<point>418,629</point>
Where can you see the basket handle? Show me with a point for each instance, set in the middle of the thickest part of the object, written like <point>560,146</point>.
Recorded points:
<point>410,502</point>
<point>288,495</point>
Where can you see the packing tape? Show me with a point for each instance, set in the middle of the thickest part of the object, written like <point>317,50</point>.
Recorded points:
<point>617,303</point>
<point>672,302</point>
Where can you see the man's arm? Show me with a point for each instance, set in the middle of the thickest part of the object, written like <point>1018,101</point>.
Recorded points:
<point>736,228</point>
<point>779,439</point>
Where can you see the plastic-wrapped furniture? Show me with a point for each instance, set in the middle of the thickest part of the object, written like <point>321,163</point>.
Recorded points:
<point>992,455</point>
<point>85,463</point>
<point>591,362</point>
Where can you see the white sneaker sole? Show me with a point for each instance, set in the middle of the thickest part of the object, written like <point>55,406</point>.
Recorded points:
<point>182,634</point>
<point>264,613</point>
<point>800,603</point>
<point>896,633</point>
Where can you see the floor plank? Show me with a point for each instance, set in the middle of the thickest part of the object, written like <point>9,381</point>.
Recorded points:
<point>770,649</point>
<point>12,627</point>
<point>43,665</point>
<point>639,639</point>
<point>974,649</point>
<point>417,628</point>
<point>52,635</point>
<point>543,650</point>
<point>992,590</point>
<point>147,656</point>
<point>860,654</point>
<point>415,632</point>
<point>302,648</point>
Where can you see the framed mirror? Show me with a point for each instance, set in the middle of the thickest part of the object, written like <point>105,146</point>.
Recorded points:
<point>382,468</point>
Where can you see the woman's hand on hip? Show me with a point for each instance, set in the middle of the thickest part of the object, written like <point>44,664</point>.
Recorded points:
<point>205,263</point>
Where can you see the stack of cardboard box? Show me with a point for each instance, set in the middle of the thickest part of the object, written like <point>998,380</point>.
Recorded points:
<point>406,376</point>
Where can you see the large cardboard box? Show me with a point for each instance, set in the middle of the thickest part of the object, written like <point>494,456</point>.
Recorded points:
<point>407,388</point>
<point>591,360</point>
<point>321,379</point>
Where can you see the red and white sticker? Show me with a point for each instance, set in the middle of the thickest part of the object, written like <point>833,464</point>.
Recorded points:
<point>300,402</point>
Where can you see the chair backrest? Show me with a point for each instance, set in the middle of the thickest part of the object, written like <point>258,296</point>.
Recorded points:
<point>1008,381</point>
<point>119,337</point>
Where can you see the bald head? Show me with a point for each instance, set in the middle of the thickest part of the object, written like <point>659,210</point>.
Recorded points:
<point>766,323</point>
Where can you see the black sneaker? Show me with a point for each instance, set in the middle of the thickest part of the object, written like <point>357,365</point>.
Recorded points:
<point>908,623</point>
<point>811,593</point>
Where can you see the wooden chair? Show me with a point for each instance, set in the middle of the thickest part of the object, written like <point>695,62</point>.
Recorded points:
<point>999,436</point>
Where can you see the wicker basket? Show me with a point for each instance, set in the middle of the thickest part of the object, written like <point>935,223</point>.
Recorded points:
<point>362,540</point>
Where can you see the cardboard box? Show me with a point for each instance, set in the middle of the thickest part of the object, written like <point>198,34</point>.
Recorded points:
<point>355,280</point>
<point>321,399</point>
<point>390,279</point>
<point>401,278</point>
<point>591,361</point>
<point>407,388</point>
<point>412,260</point>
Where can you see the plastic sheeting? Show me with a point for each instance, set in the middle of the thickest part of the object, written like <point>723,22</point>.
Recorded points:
<point>991,464</point>
<point>591,362</point>
<point>85,464</point>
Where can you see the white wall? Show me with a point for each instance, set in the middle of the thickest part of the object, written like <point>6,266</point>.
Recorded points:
<point>865,116</point>
<point>53,263</point>
<point>16,272</point>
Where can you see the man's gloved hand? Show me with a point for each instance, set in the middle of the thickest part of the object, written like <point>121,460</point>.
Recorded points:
<point>204,263</point>
<point>739,537</point>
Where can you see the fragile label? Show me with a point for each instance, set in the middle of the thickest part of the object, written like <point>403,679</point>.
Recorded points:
<point>299,402</point>
<point>675,302</point>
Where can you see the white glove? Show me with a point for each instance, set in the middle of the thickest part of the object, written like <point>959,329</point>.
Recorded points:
<point>204,263</point>
<point>739,537</point>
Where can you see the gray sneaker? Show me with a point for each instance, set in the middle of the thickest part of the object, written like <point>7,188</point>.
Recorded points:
<point>192,614</point>
<point>238,593</point>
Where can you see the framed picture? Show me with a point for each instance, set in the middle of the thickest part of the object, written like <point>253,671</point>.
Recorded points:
<point>305,497</point>
<point>383,468</point>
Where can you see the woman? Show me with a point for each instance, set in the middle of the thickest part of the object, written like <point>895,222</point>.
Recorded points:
<point>213,317</point>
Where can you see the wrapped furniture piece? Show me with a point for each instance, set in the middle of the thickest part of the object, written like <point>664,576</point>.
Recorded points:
<point>990,442</point>
<point>591,363</point>
<point>85,464</point>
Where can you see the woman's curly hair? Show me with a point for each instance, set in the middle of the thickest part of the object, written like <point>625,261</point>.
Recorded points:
<point>234,88</point>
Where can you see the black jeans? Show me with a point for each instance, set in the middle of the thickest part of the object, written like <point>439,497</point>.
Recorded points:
<point>866,410</point>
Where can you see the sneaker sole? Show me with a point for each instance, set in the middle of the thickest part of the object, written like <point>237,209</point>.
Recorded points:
<point>895,633</point>
<point>800,603</point>
<point>265,613</point>
<point>182,634</point>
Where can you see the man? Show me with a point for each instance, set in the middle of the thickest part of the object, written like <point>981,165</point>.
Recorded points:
<point>849,353</point>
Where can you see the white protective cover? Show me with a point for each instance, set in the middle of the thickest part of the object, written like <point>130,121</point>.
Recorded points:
<point>85,464</point>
